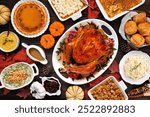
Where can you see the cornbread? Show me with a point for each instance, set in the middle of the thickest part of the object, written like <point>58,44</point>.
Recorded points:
<point>66,8</point>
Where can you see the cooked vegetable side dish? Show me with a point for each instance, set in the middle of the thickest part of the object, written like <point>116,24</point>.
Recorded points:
<point>17,75</point>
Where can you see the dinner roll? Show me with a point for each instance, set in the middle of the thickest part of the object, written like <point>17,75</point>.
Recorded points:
<point>140,18</point>
<point>147,39</point>
<point>144,29</point>
<point>137,40</point>
<point>130,28</point>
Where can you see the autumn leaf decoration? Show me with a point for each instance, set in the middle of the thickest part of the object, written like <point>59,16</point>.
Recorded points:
<point>24,93</point>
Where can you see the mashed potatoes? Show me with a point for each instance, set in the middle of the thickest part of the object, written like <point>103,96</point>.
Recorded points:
<point>136,67</point>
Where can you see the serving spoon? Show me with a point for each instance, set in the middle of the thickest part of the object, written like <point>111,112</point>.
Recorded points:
<point>86,4</point>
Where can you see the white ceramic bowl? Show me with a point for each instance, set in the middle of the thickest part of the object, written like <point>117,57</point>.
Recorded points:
<point>18,42</point>
<point>121,68</point>
<point>74,16</point>
<point>48,79</point>
<point>35,35</point>
<point>116,16</point>
<point>57,64</point>
<point>125,19</point>
<point>33,74</point>
<point>120,85</point>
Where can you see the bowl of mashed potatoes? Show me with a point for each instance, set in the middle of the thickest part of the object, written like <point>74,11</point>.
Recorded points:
<point>135,67</point>
<point>8,41</point>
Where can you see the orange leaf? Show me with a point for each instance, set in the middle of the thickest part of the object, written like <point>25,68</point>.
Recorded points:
<point>114,68</point>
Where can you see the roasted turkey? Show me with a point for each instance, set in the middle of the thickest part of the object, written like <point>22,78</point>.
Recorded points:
<point>88,48</point>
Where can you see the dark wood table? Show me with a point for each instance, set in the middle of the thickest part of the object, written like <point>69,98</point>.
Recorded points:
<point>115,24</point>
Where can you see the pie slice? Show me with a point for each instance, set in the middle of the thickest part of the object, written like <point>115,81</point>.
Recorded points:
<point>30,18</point>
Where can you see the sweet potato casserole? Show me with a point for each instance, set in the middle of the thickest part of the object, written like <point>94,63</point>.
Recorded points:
<point>114,7</point>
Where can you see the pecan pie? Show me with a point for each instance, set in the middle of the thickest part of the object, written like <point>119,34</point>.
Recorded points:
<point>30,18</point>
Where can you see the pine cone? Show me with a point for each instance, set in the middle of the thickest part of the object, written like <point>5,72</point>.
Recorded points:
<point>46,70</point>
<point>125,47</point>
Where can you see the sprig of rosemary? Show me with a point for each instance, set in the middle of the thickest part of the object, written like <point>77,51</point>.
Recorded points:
<point>7,40</point>
<point>135,67</point>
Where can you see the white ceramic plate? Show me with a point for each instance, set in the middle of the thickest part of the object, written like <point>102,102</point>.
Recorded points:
<point>116,16</point>
<point>74,16</point>
<point>57,64</point>
<point>35,35</point>
<point>121,68</point>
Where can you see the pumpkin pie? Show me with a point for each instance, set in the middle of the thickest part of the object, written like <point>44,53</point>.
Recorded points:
<point>30,18</point>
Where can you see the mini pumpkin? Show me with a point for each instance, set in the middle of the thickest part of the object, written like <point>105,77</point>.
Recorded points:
<point>47,41</point>
<point>56,28</point>
<point>4,14</point>
<point>37,90</point>
<point>74,93</point>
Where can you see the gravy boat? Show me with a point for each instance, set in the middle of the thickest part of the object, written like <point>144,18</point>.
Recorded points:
<point>41,51</point>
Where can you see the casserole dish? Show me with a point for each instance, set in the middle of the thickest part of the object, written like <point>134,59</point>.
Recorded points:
<point>120,85</point>
<point>106,16</point>
<point>73,16</point>
<point>12,75</point>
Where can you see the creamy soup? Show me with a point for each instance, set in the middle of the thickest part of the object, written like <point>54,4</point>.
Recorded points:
<point>8,43</point>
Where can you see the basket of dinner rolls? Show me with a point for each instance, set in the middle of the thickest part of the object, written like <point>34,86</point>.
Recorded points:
<point>135,28</point>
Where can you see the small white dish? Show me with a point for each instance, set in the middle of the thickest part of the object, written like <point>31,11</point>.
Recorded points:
<point>41,51</point>
<point>116,16</point>
<point>121,68</point>
<point>58,92</point>
<point>18,41</point>
<point>120,85</point>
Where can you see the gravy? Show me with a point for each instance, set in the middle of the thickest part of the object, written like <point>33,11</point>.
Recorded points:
<point>36,54</point>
